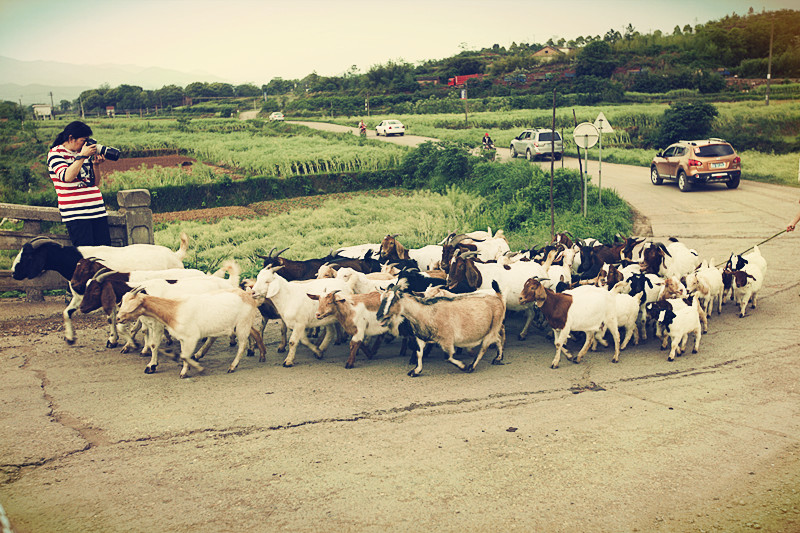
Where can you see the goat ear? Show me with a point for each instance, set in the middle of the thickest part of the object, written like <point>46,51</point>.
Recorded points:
<point>473,276</point>
<point>108,299</point>
<point>272,290</point>
<point>313,296</point>
<point>401,250</point>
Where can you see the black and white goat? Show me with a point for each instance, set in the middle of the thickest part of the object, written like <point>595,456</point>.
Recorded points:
<point>42,254</point>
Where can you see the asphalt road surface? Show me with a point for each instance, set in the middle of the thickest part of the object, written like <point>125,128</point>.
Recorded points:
<point>709,442</point>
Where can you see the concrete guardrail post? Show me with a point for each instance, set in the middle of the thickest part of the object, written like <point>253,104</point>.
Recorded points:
<point>134,205</point>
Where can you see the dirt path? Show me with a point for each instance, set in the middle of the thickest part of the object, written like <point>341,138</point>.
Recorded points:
<point>709,442</point>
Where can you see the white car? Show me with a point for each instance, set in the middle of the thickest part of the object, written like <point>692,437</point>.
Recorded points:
<point>277,115</point>
<point>390,127</point>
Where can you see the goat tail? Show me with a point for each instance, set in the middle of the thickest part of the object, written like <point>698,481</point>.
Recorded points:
<point>184,249</point>
<point>496,287</point>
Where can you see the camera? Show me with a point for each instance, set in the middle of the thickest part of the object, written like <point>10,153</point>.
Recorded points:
<point>109,153</point>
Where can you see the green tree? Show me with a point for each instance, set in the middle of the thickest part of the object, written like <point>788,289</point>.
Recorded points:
<point>686,120</point>
<point>595,59</point>
<point>169,95</point>
<point>247,89</point>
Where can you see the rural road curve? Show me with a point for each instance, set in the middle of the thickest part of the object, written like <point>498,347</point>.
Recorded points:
<point>709,442</point>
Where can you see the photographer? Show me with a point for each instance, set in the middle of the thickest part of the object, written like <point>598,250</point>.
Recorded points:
<point>488,143</point>
<point>74,168</point>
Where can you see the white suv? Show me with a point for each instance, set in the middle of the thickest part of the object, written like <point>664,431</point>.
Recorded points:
<point>537,143</point>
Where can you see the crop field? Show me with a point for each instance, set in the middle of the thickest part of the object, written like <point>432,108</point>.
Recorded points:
<point>252,148</point>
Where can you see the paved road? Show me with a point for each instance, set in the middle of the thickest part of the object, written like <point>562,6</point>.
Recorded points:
<point>709,442</point>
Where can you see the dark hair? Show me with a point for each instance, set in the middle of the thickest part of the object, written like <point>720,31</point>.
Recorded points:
<point>75,129</point>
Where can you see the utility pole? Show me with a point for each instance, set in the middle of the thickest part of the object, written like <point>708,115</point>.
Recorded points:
<point>466,104</point>
<point>769,63</point>
<point>552,163</point>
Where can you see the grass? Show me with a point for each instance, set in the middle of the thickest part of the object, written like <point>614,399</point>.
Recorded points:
<point>422,218</point>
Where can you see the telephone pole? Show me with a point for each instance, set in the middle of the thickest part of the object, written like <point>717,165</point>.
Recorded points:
<point>769,63</point>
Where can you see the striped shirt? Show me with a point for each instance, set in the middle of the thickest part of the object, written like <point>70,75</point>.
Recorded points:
<point>80,199</point>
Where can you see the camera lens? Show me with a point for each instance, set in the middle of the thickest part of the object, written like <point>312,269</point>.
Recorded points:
<point>110,153</point>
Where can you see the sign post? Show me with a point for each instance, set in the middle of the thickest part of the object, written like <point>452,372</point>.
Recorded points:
<point>602,125</point>
<point>585,136</point>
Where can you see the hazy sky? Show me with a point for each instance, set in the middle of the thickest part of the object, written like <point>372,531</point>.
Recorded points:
<point>254,41</point>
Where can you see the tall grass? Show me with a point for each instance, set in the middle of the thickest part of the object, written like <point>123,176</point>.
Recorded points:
<point>422,218</point>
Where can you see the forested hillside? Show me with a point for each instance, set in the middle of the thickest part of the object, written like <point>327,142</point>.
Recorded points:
<point>715,58</point>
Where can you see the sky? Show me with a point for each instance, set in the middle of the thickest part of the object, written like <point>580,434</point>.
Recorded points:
<point>251,41</point>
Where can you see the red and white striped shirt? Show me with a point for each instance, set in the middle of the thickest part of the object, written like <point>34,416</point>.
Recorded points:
<point>80,199</point>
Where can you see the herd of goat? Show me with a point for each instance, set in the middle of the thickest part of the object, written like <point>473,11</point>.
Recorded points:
<point>454,294</point>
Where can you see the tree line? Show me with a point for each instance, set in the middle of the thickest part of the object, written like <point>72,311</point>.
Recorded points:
<point>698,57</point>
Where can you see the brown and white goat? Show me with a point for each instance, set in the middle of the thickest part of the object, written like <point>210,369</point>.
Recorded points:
<point>195,316</point>
<point>587,308</point>
<point>356,314</point>
<point>465,322</point>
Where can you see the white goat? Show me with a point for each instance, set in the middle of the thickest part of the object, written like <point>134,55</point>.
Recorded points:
<point>195,316</point>
<point>627,307</point>
<point>297,309</point>
<point>680,261</point>
<point>175,289</point>
<point>706,283</point>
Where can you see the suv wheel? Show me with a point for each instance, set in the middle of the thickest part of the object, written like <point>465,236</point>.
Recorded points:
<point>683,182</point>
<point>733,183</point>
<point>655,178</point>
<point>513,151</point>
<point>529,156</point>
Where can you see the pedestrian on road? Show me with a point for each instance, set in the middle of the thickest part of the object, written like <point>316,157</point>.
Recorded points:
<point>74,169</point>
<point>793,223</point>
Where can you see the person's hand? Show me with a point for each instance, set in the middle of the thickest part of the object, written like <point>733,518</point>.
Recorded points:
<point>790,227</point>
<point>99,159</point>
<point>89,150</point>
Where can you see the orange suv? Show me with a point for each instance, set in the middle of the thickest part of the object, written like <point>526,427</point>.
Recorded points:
<point>691,162</point>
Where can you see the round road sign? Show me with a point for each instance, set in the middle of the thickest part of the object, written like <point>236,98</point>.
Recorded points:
<point>585,135</point>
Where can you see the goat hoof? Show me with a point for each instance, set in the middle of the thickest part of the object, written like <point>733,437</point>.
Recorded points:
<point>150,369</point>
<point>521,337</point>
<point>251,353</point>
<point>231,370</point>
<point>553,366</point>
<point>110,344</point>
<point>288,365</point>
<point>413,374</point>
<point>70,341</point>
<point>497,362</point>
<point>349,365</point>
<point>694,351</point>
<point>281,350</point>
<point>261,359</point>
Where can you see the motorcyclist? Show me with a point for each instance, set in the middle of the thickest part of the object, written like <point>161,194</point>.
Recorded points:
<point>488,142</point>
<point>362,128</point>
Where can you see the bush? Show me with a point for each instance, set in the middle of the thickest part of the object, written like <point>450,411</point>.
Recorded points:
<point>686,120</point>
